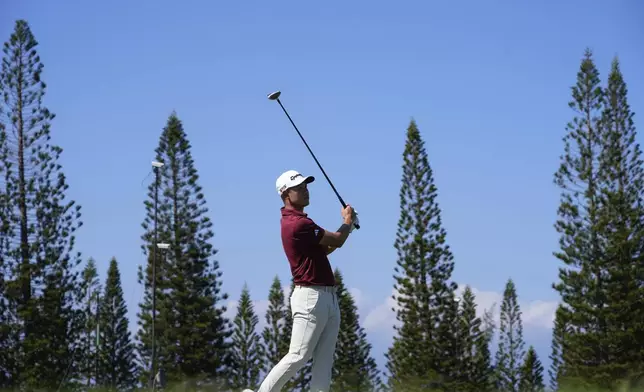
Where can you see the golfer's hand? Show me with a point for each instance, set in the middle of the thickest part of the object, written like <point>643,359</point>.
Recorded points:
<point>347,215</point>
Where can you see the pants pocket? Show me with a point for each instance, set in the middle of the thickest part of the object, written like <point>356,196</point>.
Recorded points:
<point>305,300</point>
<point>312,300</point>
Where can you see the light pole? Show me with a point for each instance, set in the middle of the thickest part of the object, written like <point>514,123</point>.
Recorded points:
<point>93,295</point>
<point>157,166</point>
<point>157,374</point>
<point>98,335</point>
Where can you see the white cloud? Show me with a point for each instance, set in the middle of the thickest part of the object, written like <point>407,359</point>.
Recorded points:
<point>535,313</point>
<point>358,297</point>
<point>383,316</point>
<point>540,313</point>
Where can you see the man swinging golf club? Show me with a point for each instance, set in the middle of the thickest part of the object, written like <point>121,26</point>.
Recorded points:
<point>314,303</point>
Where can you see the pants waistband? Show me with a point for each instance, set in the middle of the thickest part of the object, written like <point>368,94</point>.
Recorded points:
<point>328,289</point>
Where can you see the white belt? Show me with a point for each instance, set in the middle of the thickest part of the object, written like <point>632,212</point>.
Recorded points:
<point>328,289</point>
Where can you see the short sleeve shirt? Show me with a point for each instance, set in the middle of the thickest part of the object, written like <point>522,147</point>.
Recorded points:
<point>307,258</point>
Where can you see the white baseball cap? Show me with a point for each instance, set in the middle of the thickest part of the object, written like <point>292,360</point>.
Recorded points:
<point>289,179</point>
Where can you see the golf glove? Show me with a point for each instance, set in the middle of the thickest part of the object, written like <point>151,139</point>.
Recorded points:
<point>355,222</point>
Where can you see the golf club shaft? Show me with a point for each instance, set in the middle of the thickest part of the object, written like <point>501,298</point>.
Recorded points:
<point>316,160</point>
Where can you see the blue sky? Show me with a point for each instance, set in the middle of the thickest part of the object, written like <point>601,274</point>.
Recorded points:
<point>488,85</point>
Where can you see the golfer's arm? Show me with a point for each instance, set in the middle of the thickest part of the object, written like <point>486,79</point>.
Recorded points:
<point>336,239</point>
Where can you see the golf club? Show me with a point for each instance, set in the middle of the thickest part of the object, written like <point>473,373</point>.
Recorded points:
<point>276,97</point>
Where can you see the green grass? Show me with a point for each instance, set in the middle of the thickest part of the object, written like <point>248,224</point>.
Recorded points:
<point>179,388</point>
<point>186,386</point>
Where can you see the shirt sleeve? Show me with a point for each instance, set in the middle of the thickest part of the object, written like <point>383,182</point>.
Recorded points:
<point>308,232</point>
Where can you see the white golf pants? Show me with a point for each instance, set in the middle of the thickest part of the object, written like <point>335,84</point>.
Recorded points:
<point>316,323</point>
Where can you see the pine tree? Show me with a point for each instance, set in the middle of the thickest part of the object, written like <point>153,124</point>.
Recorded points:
<point>510,353</point>
<point>424,267</point>
<point>7,345</point>
<point>468,332</point>
<point>556,370</point>
<point>273,335</point>
<point>484,368</point>
<point>247,350</point>
<point>473,365</point>
<point>8,340</point>
<point>192,330</point>
<point>622,220</point>
<point>41,284</point>
<point>91,296</point>
<point>488,325</point>
<point>354,369</point>
<point>581,278</point>
<point>531,379</point>
<point>117,365</point>
<point>450,351</point>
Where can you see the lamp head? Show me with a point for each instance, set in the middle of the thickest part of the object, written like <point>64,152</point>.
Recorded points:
<point>274,96</point>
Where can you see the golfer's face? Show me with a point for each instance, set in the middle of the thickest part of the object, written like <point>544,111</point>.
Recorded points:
<point>299,195</point>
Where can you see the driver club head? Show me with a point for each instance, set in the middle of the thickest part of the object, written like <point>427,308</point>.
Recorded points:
<point>274,96</point>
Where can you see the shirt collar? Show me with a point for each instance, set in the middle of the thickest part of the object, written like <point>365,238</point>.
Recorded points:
<point>292,212</point>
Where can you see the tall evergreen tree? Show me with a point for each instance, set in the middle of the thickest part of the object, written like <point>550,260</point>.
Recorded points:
<point>531,379</point>
<point>449,353</point>
<point>622,222</point>
<point>117,361</point>
<point>510,354</point>
<point>41,283</point>
<point>488,325</point>
<point>247,349</point>
<point>273,335</point>
<point>192,330</point>
<point>89,349</point>
<point>354,369</point>
<point>8,319</point>
<point>8,346</point>
<point>556,370</point>
<point>467,331</point>
<point>484,366</point>
<point>581,278</point>
<point>473,365</point>
<point>424,292</point>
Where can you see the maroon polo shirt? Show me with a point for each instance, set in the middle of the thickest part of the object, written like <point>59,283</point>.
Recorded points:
<point>308,260</point>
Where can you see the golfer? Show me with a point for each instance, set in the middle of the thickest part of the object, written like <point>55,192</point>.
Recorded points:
<point>314,303</point>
